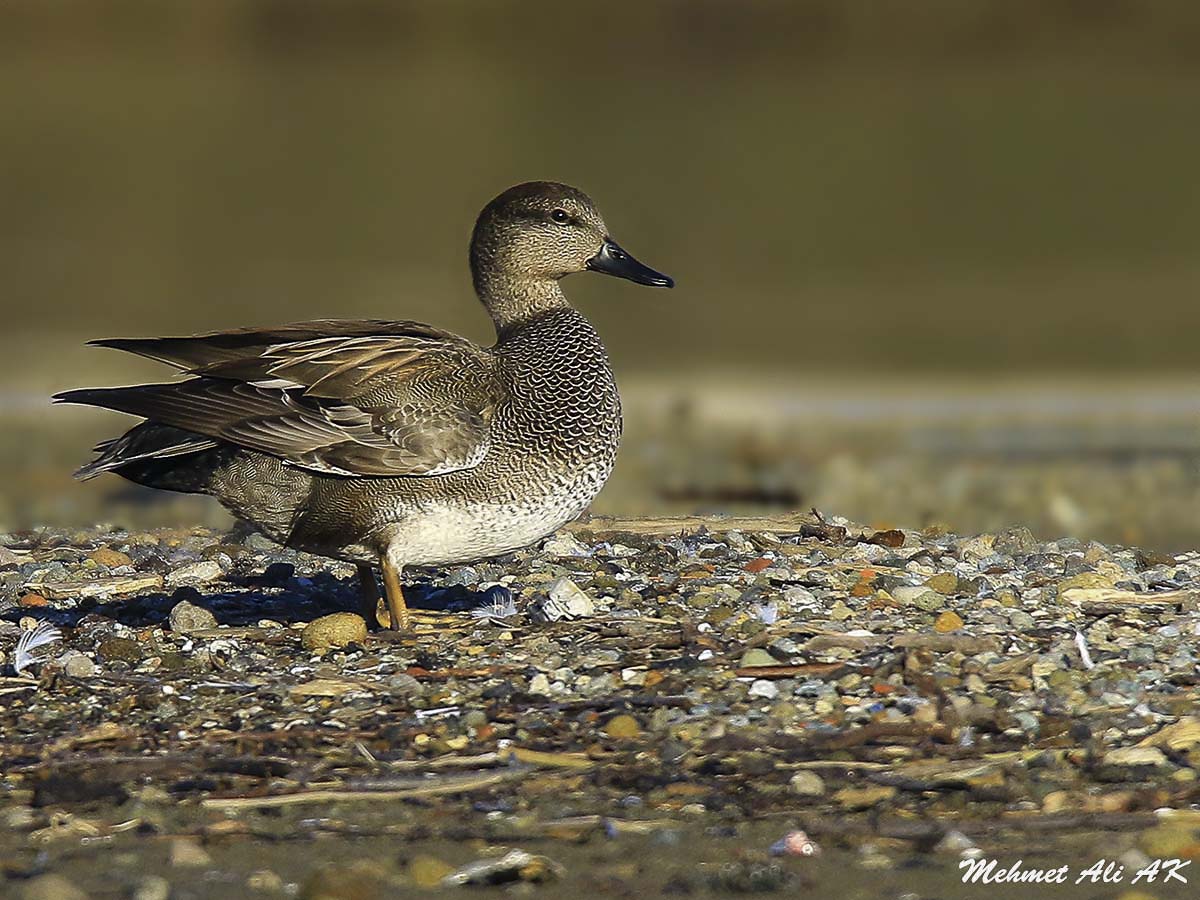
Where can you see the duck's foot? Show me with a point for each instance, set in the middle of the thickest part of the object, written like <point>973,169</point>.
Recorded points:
<point>379,611</point>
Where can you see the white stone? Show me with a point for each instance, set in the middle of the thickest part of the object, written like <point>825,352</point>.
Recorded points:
<point>564,545</point>
<point>565,600</point>
<point>765,689</point>
<point>196,573</point>
<point>1135,756</point>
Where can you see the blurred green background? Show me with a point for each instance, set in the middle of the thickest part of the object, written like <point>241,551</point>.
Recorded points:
<point>937,262</point>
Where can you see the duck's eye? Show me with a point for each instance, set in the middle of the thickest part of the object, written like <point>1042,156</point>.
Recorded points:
<point>561,216</point>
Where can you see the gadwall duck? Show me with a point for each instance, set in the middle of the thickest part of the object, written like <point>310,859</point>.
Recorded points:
<point>395,443</point>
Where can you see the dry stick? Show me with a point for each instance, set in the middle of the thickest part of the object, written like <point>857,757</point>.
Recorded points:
<point>336,796</point>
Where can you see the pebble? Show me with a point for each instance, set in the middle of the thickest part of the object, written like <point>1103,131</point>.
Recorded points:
<point>51,887</point>
<point>516,865</point>
<point>265,881</point>
<point>334,631</point>
<point>1012,541</point>
<point>186,617</point>
<point>908,593</point>
<point>964,719</point>
<point>1180,736</point>
<point>1141,655</point>
<point>1133,859</point>
<point>1135,756</point>
<point>187,853</point>
<point>118,649</point>
<point>853,798</point>
<point>767,690</point>
<point>756,657</point>
<point>622,727</point>
<point>196,573</point>
<point>564,544</point>
<point>954,842</point>
<point>947,622</point>
<point>1084,580</point>
<point>943,583</point>
<point>404,685</point>
<point>105,556</point>
<point>1170,840</point>
<point>151,887</point>
<point>565,600</point>
<point>976,548</point>
<point>76,665</point>
<point>798,598</point>
<point>840,612</point>
<point>807,784</point>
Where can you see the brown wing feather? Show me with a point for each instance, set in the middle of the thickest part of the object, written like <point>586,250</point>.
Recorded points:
<point>401,399</point>
<point>345,368</point>
<point>200,350</point>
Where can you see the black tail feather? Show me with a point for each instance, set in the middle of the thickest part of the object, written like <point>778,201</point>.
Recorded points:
<point>139,450</point>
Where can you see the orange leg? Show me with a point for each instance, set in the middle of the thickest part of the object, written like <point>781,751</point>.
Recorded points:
<point>397,608</point>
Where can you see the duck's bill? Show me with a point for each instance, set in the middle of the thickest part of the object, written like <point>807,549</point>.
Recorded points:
<point>612,260</point>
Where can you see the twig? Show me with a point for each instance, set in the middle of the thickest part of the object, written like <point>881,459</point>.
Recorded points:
<point>459,786</point>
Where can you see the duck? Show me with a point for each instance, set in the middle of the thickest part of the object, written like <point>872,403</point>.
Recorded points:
<point>394,443</point>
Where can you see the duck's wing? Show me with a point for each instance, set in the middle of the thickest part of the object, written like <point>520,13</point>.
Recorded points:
<point>200,350</point>
<point>370,399</point>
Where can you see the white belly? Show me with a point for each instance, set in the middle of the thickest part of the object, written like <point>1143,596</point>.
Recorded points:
<point>444,534</point>
<point>437,532</point>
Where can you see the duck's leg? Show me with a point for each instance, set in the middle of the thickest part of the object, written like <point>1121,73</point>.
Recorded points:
<point>397,608</point>
<point>373,611</point>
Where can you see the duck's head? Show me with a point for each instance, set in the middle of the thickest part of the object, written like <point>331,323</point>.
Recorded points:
<point>536,233</point>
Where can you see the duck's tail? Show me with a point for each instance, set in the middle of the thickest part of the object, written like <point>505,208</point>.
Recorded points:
<point>158,456</point>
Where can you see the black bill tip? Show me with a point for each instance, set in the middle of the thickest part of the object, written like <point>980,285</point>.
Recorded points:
<point>614,260</point>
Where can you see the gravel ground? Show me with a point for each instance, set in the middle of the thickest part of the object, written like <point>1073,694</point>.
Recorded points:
<point>210,717</point>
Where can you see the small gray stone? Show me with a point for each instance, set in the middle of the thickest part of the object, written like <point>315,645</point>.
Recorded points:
<point>798,598</point>
<point>755,657</point>
<point>1141,654</point>
<point>185,618</point>
<point>1016,540</point>
<point>807,784</point>
<point>76,665</point>
<point>954,842</point>
<point>405,685</point>
<point>1028,722</point>
<point>1020,619</point>
<point>195,573</point>
<point>920,596</point>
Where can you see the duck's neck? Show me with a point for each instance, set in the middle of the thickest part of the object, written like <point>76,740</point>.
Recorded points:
<point>511,300</point>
